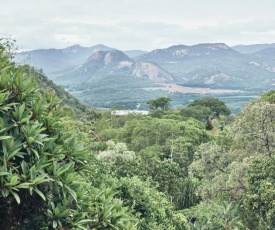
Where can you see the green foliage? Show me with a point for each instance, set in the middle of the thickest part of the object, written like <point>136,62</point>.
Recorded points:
<point>115,151</point>
<point>176,157</point>
<point>196,112</point>
<point>223,169</point>
<point>57,172</point>
<point>268,97</point>
<point>149,131</point>
<point>258,201</point>
<point>168,176</point>
<point>47,85</point>
<point>255,128</point>
<point>215,216</point>
<point>227,215</point>
<point>150,206</point>
<point>44,173</point>
<point>164,149</point>
<point>206,110</point>
<point>215,107</point>
<point>239,168</point>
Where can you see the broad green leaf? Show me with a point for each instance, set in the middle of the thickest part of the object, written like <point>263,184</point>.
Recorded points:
<point>5,137</point>
<point>56,211</point>
<point>13,181</point>
<point>40,193</point>
<point>84,221</point>
<point>64,213</point>
<point>24,167</point>
<point>5,193</point>
<point>13,154</point>
<point>24,185</point>
<point>40,180</point>
<point>72,192</point>
<point>54,224</point>
<point>66,168</point>
<point>4,173</point>
<point>15,195</point>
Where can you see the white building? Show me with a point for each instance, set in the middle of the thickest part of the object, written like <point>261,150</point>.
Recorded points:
<point>128,112</point>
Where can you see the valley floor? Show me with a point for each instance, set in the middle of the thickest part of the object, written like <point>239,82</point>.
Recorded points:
<point>174,88</point>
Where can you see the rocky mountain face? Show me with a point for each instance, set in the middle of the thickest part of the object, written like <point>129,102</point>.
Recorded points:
<point>102,59</point>
<point>115,62</point>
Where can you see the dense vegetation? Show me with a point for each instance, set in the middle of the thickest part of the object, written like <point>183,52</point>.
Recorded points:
<point>72,167</point>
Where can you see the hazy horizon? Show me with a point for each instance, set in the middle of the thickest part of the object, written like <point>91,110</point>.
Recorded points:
<point>24,50</point>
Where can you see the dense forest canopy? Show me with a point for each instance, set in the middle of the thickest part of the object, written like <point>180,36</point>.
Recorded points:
<point>67,166</point>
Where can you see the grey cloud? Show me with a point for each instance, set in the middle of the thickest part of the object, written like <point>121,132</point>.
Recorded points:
<point>131,24</point>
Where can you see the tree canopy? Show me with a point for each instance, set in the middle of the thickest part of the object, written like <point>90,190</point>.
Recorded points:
<point>161,102</point>
<point>213,107</point>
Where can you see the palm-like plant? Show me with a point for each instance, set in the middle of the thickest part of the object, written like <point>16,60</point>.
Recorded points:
<point>44,174</point>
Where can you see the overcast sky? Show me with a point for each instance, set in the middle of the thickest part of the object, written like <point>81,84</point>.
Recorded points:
<point>136,24</point>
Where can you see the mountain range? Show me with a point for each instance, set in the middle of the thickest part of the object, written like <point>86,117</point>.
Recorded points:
<point>206,65</point>
<point>211,65</point>
<point>52,60</point>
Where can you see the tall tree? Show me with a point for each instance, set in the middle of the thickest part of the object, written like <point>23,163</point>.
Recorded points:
<point>215,106</point>
<point>255,128</point>
<point>161,102</point>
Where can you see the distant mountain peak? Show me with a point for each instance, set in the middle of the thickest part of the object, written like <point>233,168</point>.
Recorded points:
<point>177,47</point>
<point>101,45</point>
<point>71,49</point>
<point>114,56</point>
<point>107,57</point>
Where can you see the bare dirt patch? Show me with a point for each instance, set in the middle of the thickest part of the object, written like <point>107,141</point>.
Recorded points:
<point>174,88</point>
